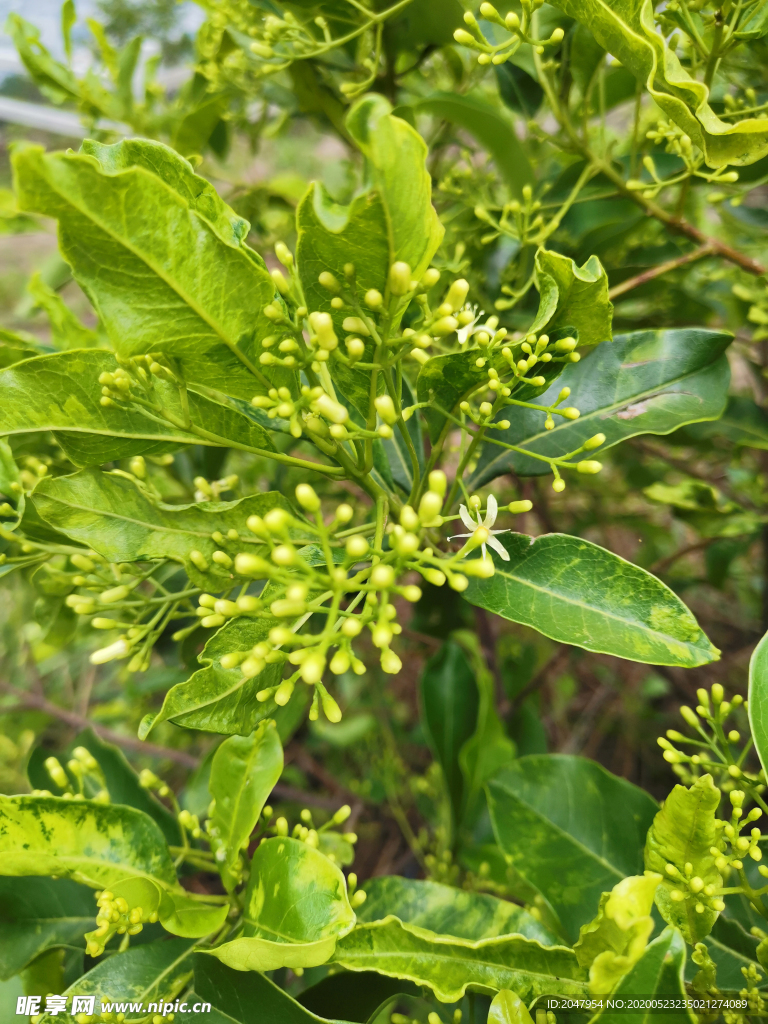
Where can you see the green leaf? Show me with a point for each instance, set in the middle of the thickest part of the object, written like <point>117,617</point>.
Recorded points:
<point>446,910</point>
<point>578,593</point>
<point>508,1008</point>
<point>356,996</point>
<point>52,78</point>
<point>66,330</point>
<point>178,912</point>
<point>396,156</point>
<point>646,382</point>
<point>61,393</point>
<point>296,908</point>
<point>449,701</point>
<point>743,423</point>
<point>118,519</point>
<point>40,914</point>
<point>161,276</point>
<point>93,843</point>
<point>216,699</point>
<point>494,132</point>
<point>684,832</point>
<point>570,297</point>
<point>244,998</point>
<point>613,943</point>
<point>758,699</point>
<point>243,774</point>
<point>659,972</point>
<point>154,972</point>
<point>627,31</point>
<point>572,829</point>
<point>450,966</point>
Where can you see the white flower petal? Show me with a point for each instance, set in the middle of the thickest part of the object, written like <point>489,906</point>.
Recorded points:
<point>498,547</point>
<point>492,512</point>
<point>467,519</point>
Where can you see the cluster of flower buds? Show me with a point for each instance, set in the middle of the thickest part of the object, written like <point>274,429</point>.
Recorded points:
<point>519,30</point>
<point>89,781</point>
<point>115,917</point>
<point>677,142</point>
<point>522,221</point>
<point>689,886</point>
<point>134,372</point>
<point>717,749</point>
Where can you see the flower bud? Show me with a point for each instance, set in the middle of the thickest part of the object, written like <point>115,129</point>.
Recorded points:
<point>399,278</point>
<point>222,558</point>
<point>390,663</point>
<point>252,565</point>
<point>322,325</point>
<point>279,281</point>
<point>354,325</point>
<point>446,325</point>
<point>284,555</point>
<point>329,282</point>
<point>457,294</point>
<point>438,482</point>
<point>458,582</point>
<point>356,546</point>
<point>589,466</point>
<point>558,485</point>
<point>307,498</point>
<point>385,407</point>
<point>100,623</point>
<point>352,626</point>
<point>408,518</point>
<point>483,568</point>
<point>411,593</point>
<point>332,410</point>
<point>430,278</point>
<point>331,709</point>
<point>433,576</point>
<point>570,413</point>
<point>594,442</point>
<point>340,662</point>
<point>119,649</point>
<point>382,577</point>
<point>114,595</point>
<point>198,559</point>
<point>429,507</point>
<point>355,348</point>
<point>82,562</point>
<point>284,254</point>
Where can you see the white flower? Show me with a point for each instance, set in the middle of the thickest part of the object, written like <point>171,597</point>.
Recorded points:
<point>490,518</point>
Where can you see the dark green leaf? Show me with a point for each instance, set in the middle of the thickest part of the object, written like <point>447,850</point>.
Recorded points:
<point>578,593</point>
<point>647,382</point>
<point>758,699</point>
<point>572,829</point>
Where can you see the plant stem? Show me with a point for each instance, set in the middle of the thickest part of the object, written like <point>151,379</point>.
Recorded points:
<point>663,268</point>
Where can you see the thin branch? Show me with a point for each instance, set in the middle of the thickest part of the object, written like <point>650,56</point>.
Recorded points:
<point>663,268</point>
<point>34,702</point>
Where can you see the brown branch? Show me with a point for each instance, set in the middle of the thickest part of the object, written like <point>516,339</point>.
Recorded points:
<point>664,563</point>
<point>662,268</point>
<point>34,702</point>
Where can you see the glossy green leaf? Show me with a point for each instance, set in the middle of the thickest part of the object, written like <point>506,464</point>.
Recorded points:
<point>570,297</point>
<point>244,998</point>
<point>646,382</point>
<point>578,593</point>
<point>296,908</point>
<point>117,518</point>
<point>494,132</point>
<point>66,330</point>
<point>243,774</point>
<point>450,966</point>
<point>40,914</point>
<point>449,701</point>
<point>155,972</point>
<point>684,832</point>
<point>572,829</point>
<point>758,699</point>
<point>446,910</point>
<point>627,30</point>
<point>508,1008</point>
<point>143,254</point>
<point>216,699</point>
<point>396,156</point>
<point>614,941</point>
<point>658,973</point>
<point>61,393</point>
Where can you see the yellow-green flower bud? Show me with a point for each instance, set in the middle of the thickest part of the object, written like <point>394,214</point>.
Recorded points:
<point>226,608</point>
<point>284,555</point>
<point>438,482</point>
<point>406,544</point>
<point>340,662</point>
<point>352,626</point>
<point>252,666</point>
<point>718,693</point>
<point>56,772</point>
<point>390,663</point>
<point>82,562</point>
<point>355,348</point>
<point>399,278</point>
<point>332,410</point>
<point>356,546</point>
<point>430,507</point>
<point>689,716</point>
<point>284,254</point>
<point>119,649</point>
<point>322,325</point>
<point>408,518</point>
<point>222,558</point>
<point>430,278</point>
<point>331,709</point>
<point>457,294</point>
<point>433,576</point>
<point>279,281</point>
<point>198,559</point>
<point>512,21</point>
<point>382,577</point>
<point>558,485</point>
<point>329,282</point>
<point>445,325</point>
<point>307,498</point>
<point>114,595</point>
<point>589,466</point>
<point>354,325</point>
<point>385,407</point>
<point>411,593</point>
<point>458,582</point>
<point>480,567</point>
<point>374,299</point>
<point>101,623</point>
<point>516,507</point>
<point>570,412</point>
<point>594,442</point>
